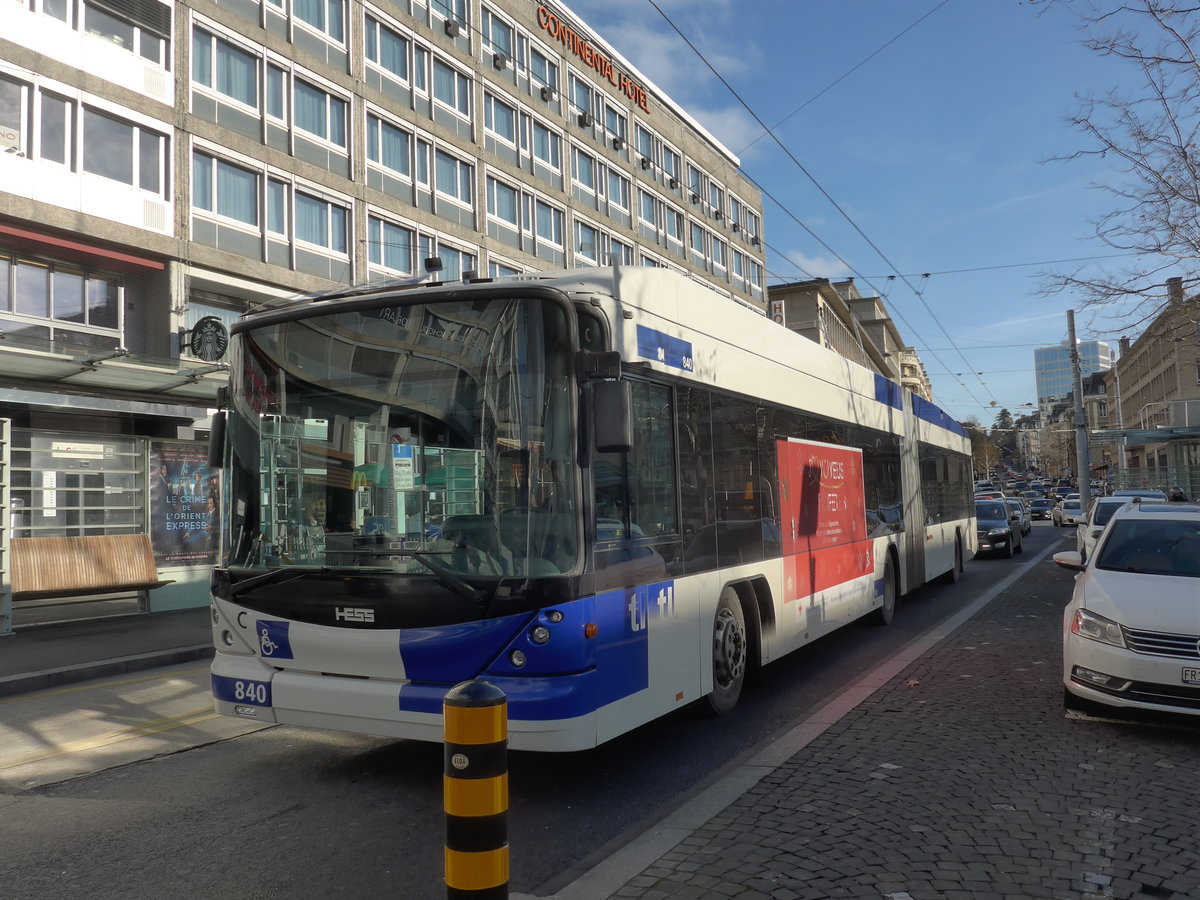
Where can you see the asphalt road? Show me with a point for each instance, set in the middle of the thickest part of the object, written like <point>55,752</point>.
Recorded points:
<point>131,790</point>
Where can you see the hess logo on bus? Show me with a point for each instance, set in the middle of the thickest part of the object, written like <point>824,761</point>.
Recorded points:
<point>353,614</point>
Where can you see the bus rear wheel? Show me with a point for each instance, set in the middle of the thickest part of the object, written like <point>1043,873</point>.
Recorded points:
<point>730,653</point>
<point>887,608</point>
<point>955,573</point>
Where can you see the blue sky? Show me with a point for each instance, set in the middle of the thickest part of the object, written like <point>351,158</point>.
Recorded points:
<point>932,130</point>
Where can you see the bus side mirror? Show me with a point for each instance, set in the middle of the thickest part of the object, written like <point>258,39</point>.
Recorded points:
<point>216,440</point>
<point>612,415</point>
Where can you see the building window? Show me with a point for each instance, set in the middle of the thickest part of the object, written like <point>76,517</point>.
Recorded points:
<point>699,256</point>
<point>225,68</point>
<point>673,225</point>
<point>583,170</point>
<point>670,162</point>
<point>587,243</point>
<point>145,35</point>
<point>582,96</point>
<point>124,152</point>
<point>618,190</point>
<point>277,80</point>
<point>500,270</point>
<point>390,245</point>
<point>619,253</point>
<point>453,177</point>
<point>615,123</point>
<point>56,129</point>
<point>225,189</point>
<point>455,260</point>
<point>320,113</point>
<point>500,119</point>
<point>647,213</point>
<point>543,69</point>
<point>386,48</point>
<point>549,224</point>
<point>452,88</point>
<point>547,146</point>
<point>496,34</point>
<point>389,146</point>
<point>326,16</point>
<point>58,300</point>
<point>502,202</point>
<point>277,207</point>
<point>321,223</point>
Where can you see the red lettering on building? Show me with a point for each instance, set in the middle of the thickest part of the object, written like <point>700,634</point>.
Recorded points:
<point>591,57</point>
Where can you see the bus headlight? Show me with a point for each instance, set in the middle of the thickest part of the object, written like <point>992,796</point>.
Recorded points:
<point>517,658</point>
<point>539,634</point>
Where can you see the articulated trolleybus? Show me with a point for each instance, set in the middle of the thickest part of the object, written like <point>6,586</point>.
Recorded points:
<point>608,492</point>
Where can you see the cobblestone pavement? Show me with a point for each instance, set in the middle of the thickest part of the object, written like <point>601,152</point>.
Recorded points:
<point>963,778</point>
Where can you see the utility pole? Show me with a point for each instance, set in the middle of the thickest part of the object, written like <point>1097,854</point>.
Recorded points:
<point>1081,431</point>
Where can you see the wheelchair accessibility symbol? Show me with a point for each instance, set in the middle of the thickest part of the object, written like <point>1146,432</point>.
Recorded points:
<point>273,639</point>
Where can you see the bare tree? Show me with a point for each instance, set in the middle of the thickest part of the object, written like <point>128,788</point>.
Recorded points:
<point>1153,133</point>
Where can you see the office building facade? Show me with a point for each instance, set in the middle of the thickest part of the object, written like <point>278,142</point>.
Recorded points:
<point>1054,372</point>
<point>166,166</point>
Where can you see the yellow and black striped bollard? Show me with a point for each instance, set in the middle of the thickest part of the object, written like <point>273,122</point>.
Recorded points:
<point>475,785</point>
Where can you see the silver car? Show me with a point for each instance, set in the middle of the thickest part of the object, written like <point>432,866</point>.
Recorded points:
<point>1022,509</point>
<point>1068,513</point>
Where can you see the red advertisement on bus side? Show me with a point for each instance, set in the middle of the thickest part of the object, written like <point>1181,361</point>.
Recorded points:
<point>822,516</point>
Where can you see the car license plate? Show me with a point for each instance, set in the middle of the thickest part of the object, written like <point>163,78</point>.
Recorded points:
<point>1191,676</point>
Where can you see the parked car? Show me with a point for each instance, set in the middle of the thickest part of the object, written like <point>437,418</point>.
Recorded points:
<point>1089,530</point>
<point>1144,493</point>
<point>1023,514</point>
<point>1042,508</point>
<point>998,528</point>
<point>1130,629</point>
<point>1069,512</point>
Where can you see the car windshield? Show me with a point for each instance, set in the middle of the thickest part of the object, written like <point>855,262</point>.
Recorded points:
<point>1041,504</point>
<point>1104,512</point>
<point>1161,547</point>
<point>994,510</point>
<point>1070,504</point>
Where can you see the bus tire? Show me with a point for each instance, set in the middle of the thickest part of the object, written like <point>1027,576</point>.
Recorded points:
<point>730,653</point>
<point>955,573</point>
<point>887,610</point>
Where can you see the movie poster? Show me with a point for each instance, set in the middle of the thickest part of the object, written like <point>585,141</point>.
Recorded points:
<point>184,505</point>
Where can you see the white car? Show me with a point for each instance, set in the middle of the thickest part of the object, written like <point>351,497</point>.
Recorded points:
<point>1131,633</point>
<point>1089,530</point>
<point>1069,512</point>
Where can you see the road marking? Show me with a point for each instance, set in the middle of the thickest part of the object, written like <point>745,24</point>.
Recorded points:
<point>92,686</point>
<point>145,729</point>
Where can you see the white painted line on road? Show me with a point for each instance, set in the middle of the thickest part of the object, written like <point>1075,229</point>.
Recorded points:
<point>613,873</point>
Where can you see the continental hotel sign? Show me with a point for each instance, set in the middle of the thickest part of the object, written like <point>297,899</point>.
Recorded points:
<point>591,57</point>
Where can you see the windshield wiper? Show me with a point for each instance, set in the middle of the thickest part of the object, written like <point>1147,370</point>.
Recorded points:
<point>274,576</point>
<point>450,579</point>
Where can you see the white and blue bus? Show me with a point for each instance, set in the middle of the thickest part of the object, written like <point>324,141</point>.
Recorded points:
<point>609,492</point>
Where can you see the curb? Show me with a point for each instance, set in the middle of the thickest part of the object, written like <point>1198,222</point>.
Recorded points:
<point>26,683</point>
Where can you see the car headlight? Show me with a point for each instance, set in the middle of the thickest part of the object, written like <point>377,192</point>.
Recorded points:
<point>997,532</point>
<point>1097,628</point>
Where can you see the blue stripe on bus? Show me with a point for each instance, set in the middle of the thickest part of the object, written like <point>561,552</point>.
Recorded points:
<point>923,409</point>
<point>887,392</point>
<point>663,348</point>
<point>568,676</point>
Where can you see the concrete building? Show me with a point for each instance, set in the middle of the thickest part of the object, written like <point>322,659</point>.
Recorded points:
<point>1054,373</point>
<point>167,165</point>
<point>1156,388</point>
<point>835,315</point>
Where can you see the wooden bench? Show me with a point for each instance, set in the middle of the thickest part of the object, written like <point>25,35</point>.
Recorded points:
<point>44,567</point>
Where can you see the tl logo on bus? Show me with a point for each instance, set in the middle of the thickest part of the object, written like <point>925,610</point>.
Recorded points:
<point>659,597</point>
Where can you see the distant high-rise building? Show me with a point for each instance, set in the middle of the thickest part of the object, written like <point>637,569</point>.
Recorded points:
<point>1053,372</point>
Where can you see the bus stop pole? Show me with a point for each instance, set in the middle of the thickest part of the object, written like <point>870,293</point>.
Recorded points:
<point>475,791</point>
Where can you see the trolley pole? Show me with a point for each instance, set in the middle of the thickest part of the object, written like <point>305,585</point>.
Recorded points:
<point>475,791</point>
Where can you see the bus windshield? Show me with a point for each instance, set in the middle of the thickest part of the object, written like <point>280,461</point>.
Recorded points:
<point>416,438</point>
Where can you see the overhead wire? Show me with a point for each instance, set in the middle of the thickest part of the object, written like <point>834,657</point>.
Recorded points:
<point>768,131</point>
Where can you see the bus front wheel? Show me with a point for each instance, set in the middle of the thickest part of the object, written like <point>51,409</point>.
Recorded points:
<point>730,653</point>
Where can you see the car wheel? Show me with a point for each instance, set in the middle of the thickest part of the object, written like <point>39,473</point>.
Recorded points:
<point>1011,551</point>
<point>1020,544</point>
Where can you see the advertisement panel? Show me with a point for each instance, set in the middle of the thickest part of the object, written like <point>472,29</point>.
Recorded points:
<point>824,520</point>
<point>184,500</point>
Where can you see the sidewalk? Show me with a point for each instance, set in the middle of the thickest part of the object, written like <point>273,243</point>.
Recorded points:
<point>951,772</point>
<point>45,653</point>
